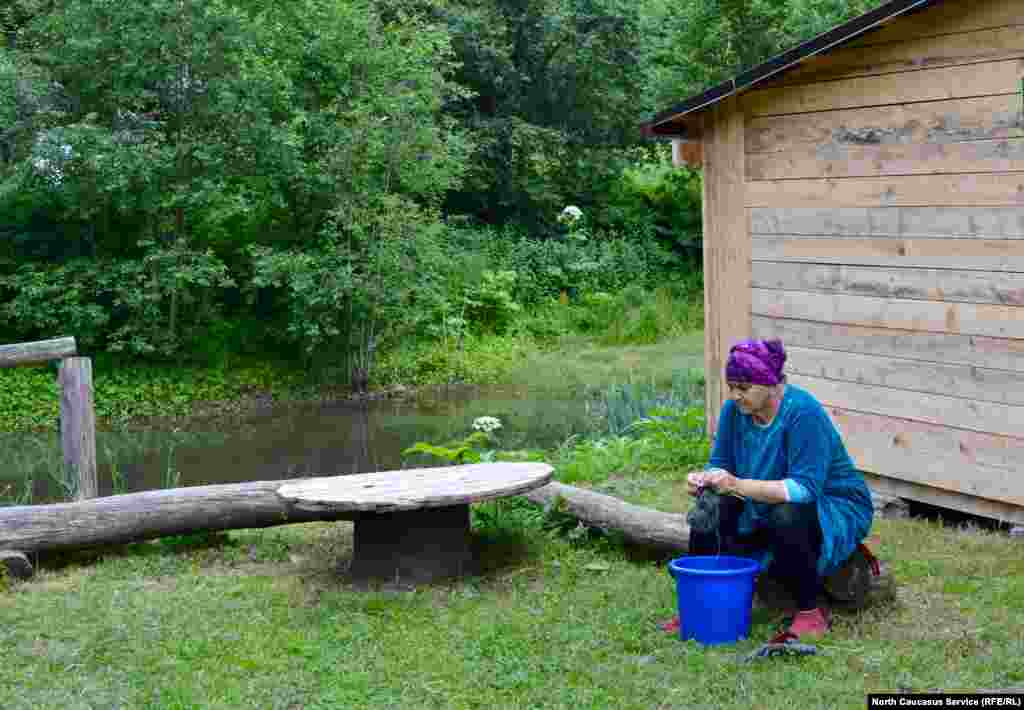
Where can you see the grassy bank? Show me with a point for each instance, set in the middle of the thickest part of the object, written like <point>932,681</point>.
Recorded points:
<point>596,339</point>
<point>604,338</point>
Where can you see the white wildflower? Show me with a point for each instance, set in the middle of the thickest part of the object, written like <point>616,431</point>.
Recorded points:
<point>50,170</point>
<point>486,424</point>
<point>570,215</point>
<point>49,158</point>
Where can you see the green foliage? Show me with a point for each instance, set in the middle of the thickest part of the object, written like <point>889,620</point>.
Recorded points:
<point>475,447</point>
<point>29,396</point>
<point>510,521</point>
<point>489,304</point>
<point>651,322</point>
<point>654,192</point>
<point>665,441</point>
<point>479,360</point>
<point>118,484</point>
<point>336,159</point>
<point>623,405</point>
<point>332,180</point>
<point>631,316</point>
<point>677,438</point>
<point>594,460</point>
<point>139,306</point>
<point>693,45</point>
<point>577,262</point>
<point>555,84</point>
<point>59,300</point>
<point>315,286</point>
<point>170,477</point>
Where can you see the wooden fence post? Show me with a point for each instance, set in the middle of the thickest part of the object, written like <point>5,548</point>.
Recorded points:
<point>78,424</point>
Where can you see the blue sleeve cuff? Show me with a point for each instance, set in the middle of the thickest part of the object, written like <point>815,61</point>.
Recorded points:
<point>796,492</point>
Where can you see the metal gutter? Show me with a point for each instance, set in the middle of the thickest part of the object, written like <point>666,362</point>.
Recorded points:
<point>787,60</point>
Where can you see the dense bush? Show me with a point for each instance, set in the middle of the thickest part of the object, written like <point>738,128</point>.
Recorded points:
<point>199,163</point>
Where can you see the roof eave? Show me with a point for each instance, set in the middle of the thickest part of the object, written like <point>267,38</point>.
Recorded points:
<point>665,123</point>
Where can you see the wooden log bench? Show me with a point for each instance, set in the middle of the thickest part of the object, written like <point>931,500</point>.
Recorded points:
<point>412,526</point>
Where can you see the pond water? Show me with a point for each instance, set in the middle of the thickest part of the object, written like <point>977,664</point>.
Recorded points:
<point>282,441</point>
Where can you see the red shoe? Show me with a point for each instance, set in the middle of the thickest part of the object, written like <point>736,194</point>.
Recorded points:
<point>812,623</point>
<point>671,626</point>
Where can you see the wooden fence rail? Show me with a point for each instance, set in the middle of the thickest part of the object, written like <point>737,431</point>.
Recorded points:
<point>36,352</point>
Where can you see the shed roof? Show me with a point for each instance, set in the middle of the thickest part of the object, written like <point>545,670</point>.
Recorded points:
<point>670,122</point>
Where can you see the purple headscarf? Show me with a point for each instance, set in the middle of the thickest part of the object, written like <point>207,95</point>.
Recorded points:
<point>756,361</point>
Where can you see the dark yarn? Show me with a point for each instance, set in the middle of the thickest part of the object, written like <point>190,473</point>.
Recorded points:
<point>705,515</point>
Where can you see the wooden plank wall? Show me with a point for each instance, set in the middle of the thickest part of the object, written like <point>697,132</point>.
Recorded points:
<point>727,244</point>
<point>885,206</point>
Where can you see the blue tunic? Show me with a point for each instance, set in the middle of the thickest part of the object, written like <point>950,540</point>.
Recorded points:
<point>801,443</point>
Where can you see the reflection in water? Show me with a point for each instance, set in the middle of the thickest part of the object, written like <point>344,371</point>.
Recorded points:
<point>297,440</point>
<point>323,438</point>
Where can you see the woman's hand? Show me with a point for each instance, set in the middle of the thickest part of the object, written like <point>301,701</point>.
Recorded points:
<point>694,481</point>
<point>727,484</point>
<point>722,481</point>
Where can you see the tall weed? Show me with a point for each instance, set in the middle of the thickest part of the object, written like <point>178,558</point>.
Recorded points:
<point>593,461</point>
<point>621,405</point>
<point>676,439</point>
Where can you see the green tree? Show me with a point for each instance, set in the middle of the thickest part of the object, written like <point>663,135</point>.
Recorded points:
<point>693,45</point>
<point>555,87</point>
<point>184,132</point>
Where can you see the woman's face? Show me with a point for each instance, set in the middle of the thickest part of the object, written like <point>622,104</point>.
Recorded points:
<point>750,398</point>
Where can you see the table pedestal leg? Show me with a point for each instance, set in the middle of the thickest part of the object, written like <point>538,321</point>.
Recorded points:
<point>412,547</point>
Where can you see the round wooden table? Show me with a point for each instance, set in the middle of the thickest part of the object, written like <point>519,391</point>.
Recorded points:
<point>412,526</point>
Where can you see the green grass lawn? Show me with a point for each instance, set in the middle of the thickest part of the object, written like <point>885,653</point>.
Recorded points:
<point>579,362</point>
<point>262,619</point>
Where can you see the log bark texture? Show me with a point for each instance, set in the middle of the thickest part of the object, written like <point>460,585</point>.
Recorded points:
<point>36,352</point>
<point>638,525</point>
<point>142,516</point>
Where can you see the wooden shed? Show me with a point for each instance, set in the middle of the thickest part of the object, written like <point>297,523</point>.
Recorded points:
<point>864,201</point>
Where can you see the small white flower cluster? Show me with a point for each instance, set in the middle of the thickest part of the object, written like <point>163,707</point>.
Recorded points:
<point>50,167</point>
<point>486,424</point>
<point>570,215</point>
<point>51,171</point>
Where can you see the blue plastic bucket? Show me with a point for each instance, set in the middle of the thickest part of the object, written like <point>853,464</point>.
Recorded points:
<point>715,595</point>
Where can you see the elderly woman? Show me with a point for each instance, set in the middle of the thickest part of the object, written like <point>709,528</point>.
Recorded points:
<point>796,501</point>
